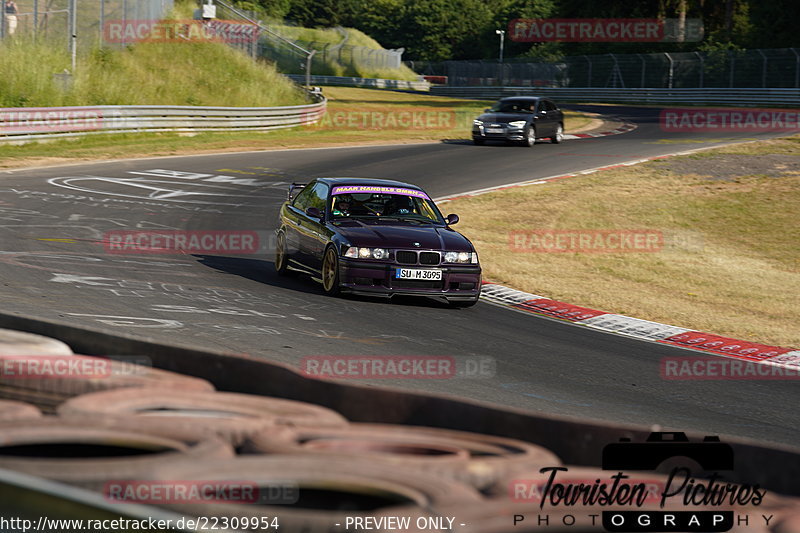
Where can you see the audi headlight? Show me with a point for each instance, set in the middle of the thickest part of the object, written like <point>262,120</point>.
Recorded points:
<point>461,257</point>
<point>355,252</point>
<point>477,123</point>
<point>517,124</point>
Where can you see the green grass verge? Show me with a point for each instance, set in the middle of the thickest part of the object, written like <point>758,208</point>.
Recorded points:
<point>729,216</point>
<point>145,73</point>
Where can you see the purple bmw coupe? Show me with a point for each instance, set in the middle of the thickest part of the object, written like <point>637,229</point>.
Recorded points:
<point>377,237</point>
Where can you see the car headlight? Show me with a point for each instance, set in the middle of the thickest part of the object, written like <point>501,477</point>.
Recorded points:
<point>461,257</point>
<point>517,124</point>
<point>355,252</point>
<point>477,123</point>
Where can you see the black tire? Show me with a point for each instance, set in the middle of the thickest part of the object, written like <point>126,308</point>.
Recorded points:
<point>478,142</point>
<point>11,410</point>
<point>232,416</point>
<point>281,256</point>
<point>324,491</point>
<point>89,454</point>
<point>330,272</point>
<point>459,304</point>
<point>559,135</point>
<point>403,447</point>
<point>47,392</point>
<point>530,137</point>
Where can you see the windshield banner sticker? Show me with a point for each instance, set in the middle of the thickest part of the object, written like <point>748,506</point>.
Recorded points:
<point>377,189</point>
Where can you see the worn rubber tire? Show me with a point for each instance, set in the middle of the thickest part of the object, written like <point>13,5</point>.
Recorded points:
<point>48,392</point>
<point>14,342</point>
<point>328,490</point>
<point>789,523</point>
<point>232,416</point>
<point>12,410</point>
<point>490,458</point>
<point>89,455</point>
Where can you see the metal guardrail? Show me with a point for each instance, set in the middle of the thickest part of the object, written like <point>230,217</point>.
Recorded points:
<point>372,83</point>
<point>737,97</point>
<point>25,123</point>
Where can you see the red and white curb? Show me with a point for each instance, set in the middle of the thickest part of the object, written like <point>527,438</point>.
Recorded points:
<point>625,128</point>
<point>641,329</point>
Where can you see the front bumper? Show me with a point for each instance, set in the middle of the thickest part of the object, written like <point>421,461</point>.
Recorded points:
<point>508,133</point>
<point>459,282</point>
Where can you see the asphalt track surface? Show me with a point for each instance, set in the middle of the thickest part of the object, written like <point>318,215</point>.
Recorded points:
<point>53,265</point>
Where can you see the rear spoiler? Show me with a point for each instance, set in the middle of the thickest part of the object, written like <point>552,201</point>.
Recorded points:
<point>295,187</point>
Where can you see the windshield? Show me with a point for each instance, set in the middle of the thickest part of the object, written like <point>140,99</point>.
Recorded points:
<point>514,106</point>
<point>396,206</point>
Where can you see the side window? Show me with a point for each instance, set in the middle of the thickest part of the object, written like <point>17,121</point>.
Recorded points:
<point>301,201</point>
<point>540,106</point>
<point>550,106</point>
<point>318,197</point>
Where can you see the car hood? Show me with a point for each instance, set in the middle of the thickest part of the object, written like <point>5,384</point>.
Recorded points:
<point>402,235</point>
<point>504,118</point>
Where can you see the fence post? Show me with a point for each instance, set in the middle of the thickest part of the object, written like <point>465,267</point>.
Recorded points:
<point>671,70</point>
<point>35,18</point>
<point>589,77</point>
<point>763,69</point>
<point>644,68</point>
<point>733,61</point>
<point>796,68</point>
<point>702,67</point>
<point>102,21</point>
<point>308,68</point>
<point>2,21</point>
<point>73,32</point>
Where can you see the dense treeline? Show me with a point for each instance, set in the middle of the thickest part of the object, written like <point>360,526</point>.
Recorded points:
<point>465,29</point>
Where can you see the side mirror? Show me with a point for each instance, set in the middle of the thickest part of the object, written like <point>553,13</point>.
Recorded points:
<point>314,212</point>
<point>451,219</point>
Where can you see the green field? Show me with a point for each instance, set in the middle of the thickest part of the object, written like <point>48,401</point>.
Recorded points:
<point>729,264</point>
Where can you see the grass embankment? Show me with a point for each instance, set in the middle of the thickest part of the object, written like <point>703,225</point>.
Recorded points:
<point>355,116</point>
<point>145,73</point>
<point>335,64</point>
<point>733,270</point>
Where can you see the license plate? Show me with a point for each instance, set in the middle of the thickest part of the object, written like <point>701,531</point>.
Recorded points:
<point>494,130</point>
<point>431,274</point>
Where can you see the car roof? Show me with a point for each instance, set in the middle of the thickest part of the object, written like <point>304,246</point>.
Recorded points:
<point>529,98</point>
<point>367,181</point>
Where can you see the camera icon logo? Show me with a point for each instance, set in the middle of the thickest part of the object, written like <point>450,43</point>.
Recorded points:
<point>710,453</point>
